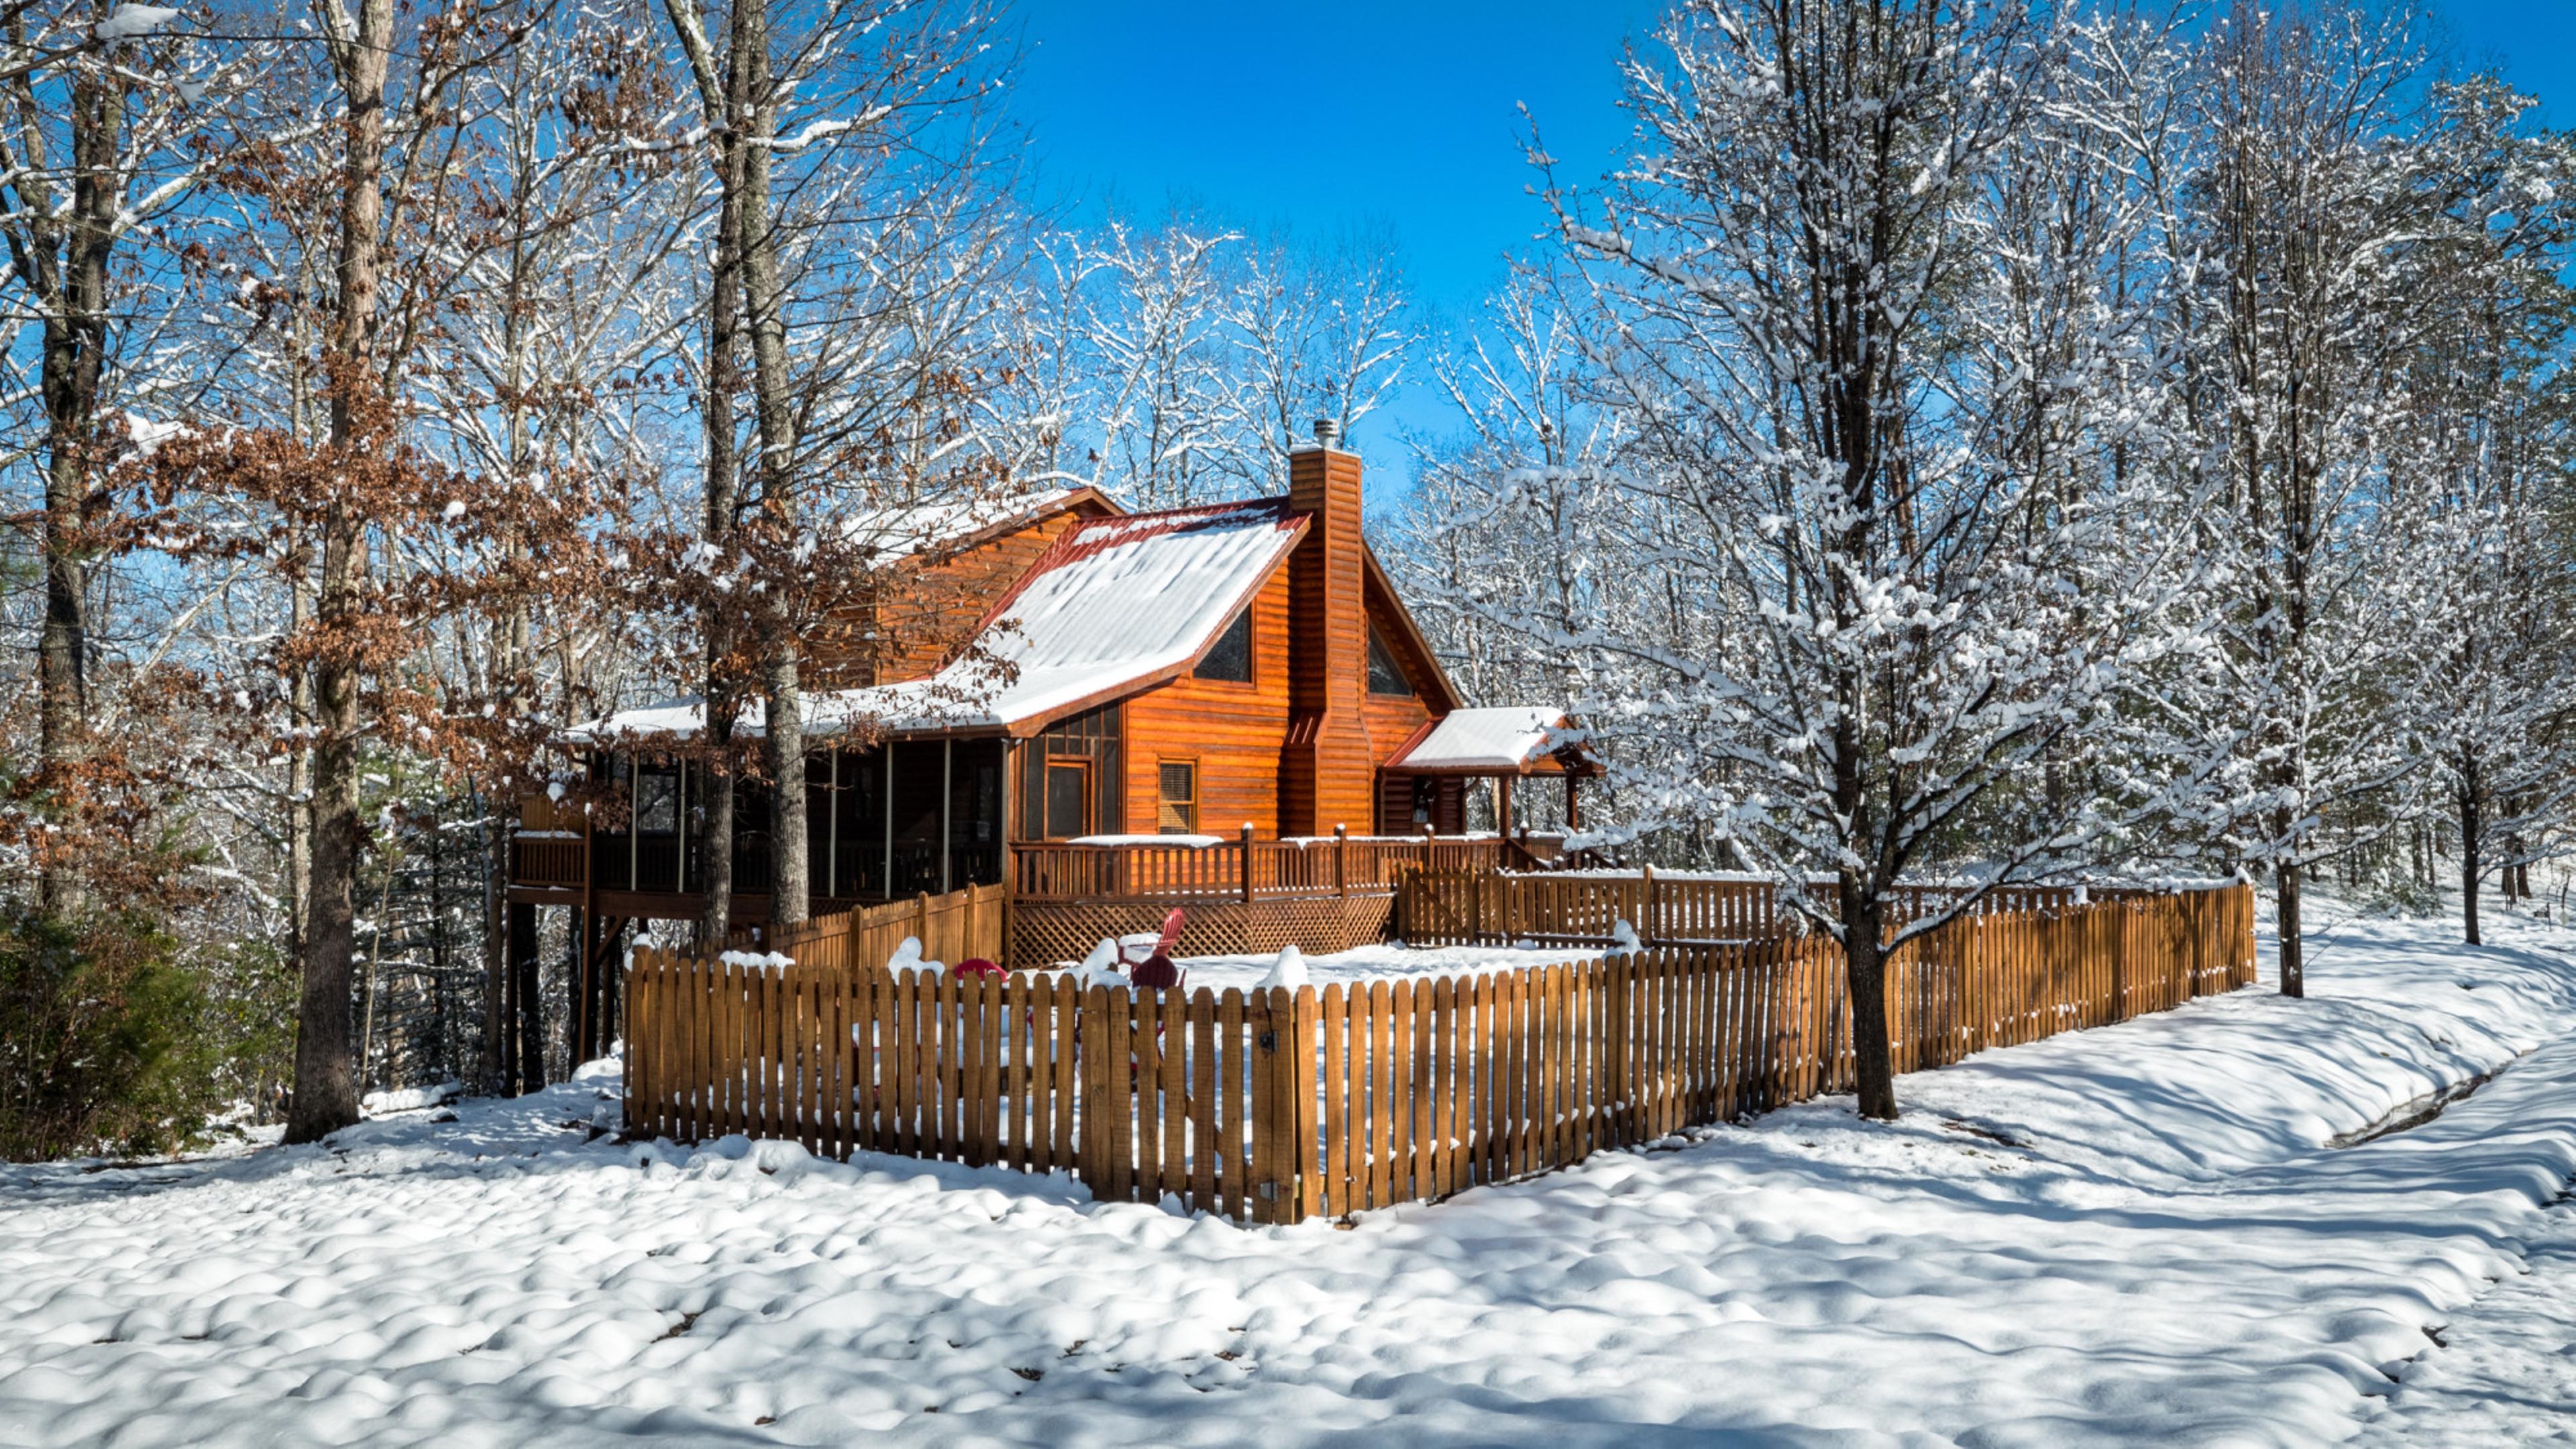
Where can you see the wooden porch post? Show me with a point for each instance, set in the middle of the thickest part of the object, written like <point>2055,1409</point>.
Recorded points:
<point>1010,870</point>
<point>1573,812</point>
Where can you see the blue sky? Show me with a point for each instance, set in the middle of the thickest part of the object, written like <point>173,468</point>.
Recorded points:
<point>1408,115</point>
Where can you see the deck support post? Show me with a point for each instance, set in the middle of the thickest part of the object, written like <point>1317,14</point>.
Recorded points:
<point>577,985</point>
<point>529,1020</point>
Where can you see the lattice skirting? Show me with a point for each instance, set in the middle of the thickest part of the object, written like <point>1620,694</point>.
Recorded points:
<point>1045,932</point>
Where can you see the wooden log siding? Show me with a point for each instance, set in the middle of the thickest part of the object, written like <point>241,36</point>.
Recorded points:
<point>1272,1106</point>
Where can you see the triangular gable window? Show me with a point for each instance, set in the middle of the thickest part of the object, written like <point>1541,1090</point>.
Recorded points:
<point>1230,657</point>
<point>1385,675</point>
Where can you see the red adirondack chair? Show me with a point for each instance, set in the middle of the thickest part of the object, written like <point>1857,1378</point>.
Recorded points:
<point>1156,969</point>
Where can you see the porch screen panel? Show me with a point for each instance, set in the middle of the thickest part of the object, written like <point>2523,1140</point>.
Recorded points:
<point>818,820</point>
<point>657,827</point>
<point>858,869</point>
<point>751,826</point>
<point>916,817</point>
<point>975,814</point>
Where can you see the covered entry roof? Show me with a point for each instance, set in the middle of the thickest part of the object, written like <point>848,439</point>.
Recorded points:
<point>1518,739</point>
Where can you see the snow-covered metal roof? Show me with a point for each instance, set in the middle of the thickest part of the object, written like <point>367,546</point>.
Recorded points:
<point>1115,605</point>
<point>900,531</point>
<point>1509,739</point>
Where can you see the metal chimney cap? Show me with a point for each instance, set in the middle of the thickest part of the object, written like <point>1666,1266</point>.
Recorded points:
<point>1327,431</point>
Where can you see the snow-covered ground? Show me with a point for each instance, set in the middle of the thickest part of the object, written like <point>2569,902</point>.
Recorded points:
<point>2134,1235</point>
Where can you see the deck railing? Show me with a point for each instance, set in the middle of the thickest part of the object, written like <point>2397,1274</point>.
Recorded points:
<point>1245,869</point>
<point>548,858</point>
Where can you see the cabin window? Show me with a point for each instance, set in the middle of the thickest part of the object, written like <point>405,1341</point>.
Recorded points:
<point>1230,657</point>
<point>1179,812</point>
<point>657,804</point>
<point>1385,676</point>
<point>1068,799</point>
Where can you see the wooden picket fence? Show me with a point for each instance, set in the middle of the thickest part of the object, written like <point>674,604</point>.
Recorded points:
<point>1274,1105</point>
<point>962,925</point>
<point>1137,1093</point>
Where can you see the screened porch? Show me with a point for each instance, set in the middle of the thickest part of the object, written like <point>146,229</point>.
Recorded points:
<point>884,823</point>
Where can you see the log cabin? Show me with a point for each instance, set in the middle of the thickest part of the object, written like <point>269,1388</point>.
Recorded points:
<point>1224,674</point>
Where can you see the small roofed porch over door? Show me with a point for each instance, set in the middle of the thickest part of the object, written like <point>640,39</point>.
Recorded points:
<point>1425,788</point>
<point>887,821</point>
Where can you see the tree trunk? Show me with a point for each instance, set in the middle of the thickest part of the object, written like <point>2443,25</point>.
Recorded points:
<point>303,709</point>
<point>2471,808</point>
<point>326,1096</point>
<point>789,898</point>
<point>765,320</point>
<point>2285,878</point>
<point>1865,969</point>
<point>716,917</point>
<point>74,348</point>
<point>724,329</point>
<point>498,1075</point>
<point>326,1084</point>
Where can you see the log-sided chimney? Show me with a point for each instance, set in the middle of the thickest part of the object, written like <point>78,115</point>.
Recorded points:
<point>1327,774</point>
